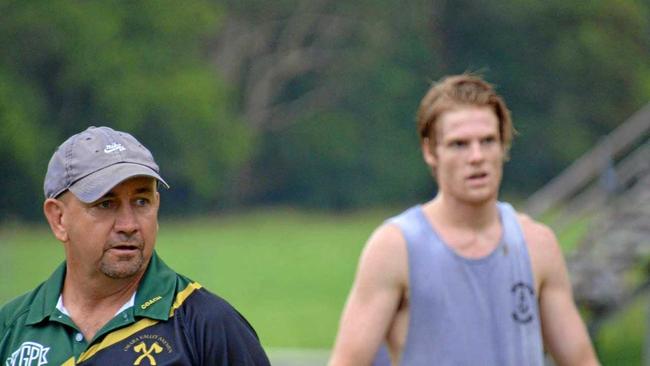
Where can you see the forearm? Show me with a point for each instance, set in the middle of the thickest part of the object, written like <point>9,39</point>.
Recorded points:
<point>349,357</point>
<point>566,335</point>
<point>584,356</point>
<point>357,342</point>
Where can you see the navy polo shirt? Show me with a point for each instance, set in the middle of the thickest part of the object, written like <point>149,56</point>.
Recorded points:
<point>174,321</point>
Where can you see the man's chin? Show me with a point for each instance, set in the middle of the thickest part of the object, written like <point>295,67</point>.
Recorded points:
<point>122,269</point>
<point>480,199</point>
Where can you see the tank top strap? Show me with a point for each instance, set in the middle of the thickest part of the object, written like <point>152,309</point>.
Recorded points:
<point>511,229</point>
<point>513,238</point>
<point>413,224</point>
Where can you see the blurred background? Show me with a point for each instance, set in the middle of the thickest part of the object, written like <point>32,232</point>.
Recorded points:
<point>287,132</point>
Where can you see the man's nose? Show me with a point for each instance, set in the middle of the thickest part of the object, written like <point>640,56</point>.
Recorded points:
<point>476,153</point>
<point>126,221</point>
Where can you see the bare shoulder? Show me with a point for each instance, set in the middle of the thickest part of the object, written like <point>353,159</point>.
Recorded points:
<point>386,237</point>
<point>385,254</point>
<point>539,237</point>
<point>544,250</point>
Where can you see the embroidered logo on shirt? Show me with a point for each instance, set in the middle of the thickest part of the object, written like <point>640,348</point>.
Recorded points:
<point>148,347</point>
<point>114,147</point>
<point>28,354</point>
<point>150,302</point>
<point>524,300</point>
<point>146,352</point>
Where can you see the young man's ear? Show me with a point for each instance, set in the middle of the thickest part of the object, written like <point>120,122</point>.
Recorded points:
<point>428,152</point>
<point>53,210</point>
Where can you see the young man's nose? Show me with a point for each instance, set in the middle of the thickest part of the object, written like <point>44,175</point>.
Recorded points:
<point>476,153</point>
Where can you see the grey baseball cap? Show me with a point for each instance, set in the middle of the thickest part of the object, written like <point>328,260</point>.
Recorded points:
<point>92,162</point>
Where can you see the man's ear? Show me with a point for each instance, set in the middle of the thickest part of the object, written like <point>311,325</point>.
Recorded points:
<point>157,195</point>
<point>53,210</point>
<point>428,152</point>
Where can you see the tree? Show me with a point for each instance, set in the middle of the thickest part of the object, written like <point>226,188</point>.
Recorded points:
<point>141,67</point>
<point>329,89</point>
<point>570,71</point>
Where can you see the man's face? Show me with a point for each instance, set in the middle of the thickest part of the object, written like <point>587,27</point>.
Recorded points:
<point>115,235</point>
<point>468,154</point>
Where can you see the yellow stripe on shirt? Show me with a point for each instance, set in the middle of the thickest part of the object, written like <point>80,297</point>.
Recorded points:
<point>141,324</point>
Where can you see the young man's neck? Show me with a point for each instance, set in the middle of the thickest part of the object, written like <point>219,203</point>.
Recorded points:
<point>450,211</point>
<point>470,230</point>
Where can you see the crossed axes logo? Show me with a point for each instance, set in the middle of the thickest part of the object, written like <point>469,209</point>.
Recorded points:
<point>147,352</point>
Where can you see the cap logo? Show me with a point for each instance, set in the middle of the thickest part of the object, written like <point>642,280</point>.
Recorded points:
<point>114,147</point>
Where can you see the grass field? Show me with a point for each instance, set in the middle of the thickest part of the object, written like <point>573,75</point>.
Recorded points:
<point>288,272</point>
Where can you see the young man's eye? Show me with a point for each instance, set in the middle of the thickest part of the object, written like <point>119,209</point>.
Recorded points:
<point>489,140</point>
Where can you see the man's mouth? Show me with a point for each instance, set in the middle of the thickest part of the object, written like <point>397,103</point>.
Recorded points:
<point>477,176</point>
<point>124,248</point>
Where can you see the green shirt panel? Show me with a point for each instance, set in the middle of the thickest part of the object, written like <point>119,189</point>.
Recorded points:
<point>33,331</point>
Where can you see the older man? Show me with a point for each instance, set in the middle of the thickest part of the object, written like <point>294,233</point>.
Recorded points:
<point>113,301</point>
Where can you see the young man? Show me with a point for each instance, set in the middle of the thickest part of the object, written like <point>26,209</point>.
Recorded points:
<point>462,279</point>
<point>113,301</point>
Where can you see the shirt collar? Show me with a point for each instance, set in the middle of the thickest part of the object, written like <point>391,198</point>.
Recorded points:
<point>60,307</point>
<point>156,290</point>
<point>153,299</point>
<point>46,296</point>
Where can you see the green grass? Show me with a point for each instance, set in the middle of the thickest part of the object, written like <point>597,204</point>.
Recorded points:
<point>621,341</point>
<point>571,235</point>
<point>288,272</point>
<point>28,255</point>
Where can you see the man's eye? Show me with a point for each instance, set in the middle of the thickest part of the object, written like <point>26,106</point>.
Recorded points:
<point>105,204</point>
<point>457,144</point>
<point>142,201</point>
<point>489,140</point>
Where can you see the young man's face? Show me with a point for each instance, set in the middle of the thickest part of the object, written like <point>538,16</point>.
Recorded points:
<point>115,235</point>
<point>468,154</point>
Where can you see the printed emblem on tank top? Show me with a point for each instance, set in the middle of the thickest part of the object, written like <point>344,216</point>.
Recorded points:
<point>524,300</point>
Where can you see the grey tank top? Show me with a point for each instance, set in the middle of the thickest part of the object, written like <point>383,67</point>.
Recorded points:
<point>469,311</point>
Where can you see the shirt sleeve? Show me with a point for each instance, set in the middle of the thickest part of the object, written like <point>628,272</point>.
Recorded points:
<point>221,334</point>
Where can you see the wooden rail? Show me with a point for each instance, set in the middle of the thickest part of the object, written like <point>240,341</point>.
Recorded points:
<point>590,165</point>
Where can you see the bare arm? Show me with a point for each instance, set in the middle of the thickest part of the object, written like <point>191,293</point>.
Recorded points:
<point>374,299</point>
<point>564,332</point>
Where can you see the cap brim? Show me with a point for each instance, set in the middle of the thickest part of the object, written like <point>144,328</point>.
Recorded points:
<point>92,187</point>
